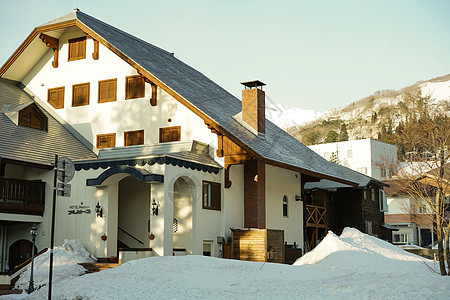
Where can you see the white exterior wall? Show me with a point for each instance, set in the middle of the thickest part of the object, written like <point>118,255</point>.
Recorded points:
<point>111,117</point>
<point>358,154</point>
<point>280,182</point>
<point>233,203</point>
<point>137,114</point>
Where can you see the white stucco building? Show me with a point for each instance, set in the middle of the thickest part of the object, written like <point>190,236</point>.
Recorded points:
<point>167,162</point>
<point>366,156</point>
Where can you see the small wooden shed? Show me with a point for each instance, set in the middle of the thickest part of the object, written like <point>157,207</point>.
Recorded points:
<point>258,245</point>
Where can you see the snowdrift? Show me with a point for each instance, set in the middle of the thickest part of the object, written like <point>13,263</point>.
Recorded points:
<point>351,266</point>
<point>65,264</point>
<point>354,247</point>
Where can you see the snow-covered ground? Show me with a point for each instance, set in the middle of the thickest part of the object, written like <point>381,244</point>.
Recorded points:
<point>437,90</point>
<point>352,266</point>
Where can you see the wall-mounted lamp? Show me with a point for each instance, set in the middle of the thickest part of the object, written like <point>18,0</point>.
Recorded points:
<point>154,208</point>
<point>99,210</point>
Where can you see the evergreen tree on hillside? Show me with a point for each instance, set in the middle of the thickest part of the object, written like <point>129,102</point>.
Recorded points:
<point>332,137</point>
<point>343,134</point>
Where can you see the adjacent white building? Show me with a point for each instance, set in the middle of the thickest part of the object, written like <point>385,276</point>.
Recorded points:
<point>366,156</point>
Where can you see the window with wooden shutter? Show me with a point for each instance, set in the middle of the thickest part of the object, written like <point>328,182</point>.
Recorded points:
<point>80,94</point>
<point>107,90</point>
<point>134,87</point>
<point>33,117</point>
<point>106,140</point>
<point>170,134</point>
<point>56,97</point>
<point>134,138</point>
<point>77,48</point>
<point>212,195</point>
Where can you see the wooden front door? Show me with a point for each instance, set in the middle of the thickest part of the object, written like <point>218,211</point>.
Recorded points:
<point>19,252</point>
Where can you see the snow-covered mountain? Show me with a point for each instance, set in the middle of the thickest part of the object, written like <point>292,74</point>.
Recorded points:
<point>286,117</point>
<point>363,117</point>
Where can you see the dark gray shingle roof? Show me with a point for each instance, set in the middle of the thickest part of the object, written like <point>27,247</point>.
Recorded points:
<point>33,145</point>
<point>212,100</point>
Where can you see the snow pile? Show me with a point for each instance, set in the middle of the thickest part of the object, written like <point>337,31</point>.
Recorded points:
<point>65,264</point>
<point>356,249</point>
<point>352,266</point>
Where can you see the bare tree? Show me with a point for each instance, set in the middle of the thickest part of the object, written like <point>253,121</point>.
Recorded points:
<point>425,137</point>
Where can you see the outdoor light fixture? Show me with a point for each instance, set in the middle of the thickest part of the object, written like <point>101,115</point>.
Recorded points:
<point>99,210</point>
<point>154,208</point>
<point>33,233</point>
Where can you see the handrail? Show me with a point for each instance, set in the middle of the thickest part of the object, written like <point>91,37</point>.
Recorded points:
<point>130,235</point>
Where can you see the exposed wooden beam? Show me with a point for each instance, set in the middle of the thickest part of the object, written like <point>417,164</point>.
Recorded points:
<point>95,54</point>
<point>53,43</point>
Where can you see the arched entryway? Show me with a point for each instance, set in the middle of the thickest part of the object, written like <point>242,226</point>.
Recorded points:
<point>19,252</point>
<point>184,193</point>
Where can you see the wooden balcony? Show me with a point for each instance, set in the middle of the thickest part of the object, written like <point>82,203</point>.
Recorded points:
<point>22,196</point>
<point>316,216</point>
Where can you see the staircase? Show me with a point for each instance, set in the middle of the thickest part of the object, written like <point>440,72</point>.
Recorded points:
<point>97,267</point>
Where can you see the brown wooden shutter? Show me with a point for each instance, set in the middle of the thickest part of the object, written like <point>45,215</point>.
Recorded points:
<point>77,48</point>
<point>80,94</point>
<point>135,87</point>
<point>170,134</point>
<point>216,196</point>
<point>56,97</point>
<point>107,90</point>
<point>134,138</point>
<point>106,140</point>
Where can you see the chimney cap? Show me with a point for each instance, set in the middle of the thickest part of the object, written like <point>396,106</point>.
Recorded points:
<point>253,83</point>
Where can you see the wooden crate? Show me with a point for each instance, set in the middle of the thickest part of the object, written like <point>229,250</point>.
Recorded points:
<point>258,245</point>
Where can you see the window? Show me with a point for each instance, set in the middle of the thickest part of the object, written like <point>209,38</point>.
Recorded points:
<point>134,137</point>
<point>285,206</point>
<point>390,173</point>
<point>349,153</point>
<point>32,116</point>
<point>170,134</point>
<point>368,227</point>
<point>366,194</point>
<point>107,90</point>
<point>80,94</point>
<point>372,194</point>
<point>400,238</point>
<point>211,195</point>
<point>106,140</point>
<point>362,170</point>
<point>207,248</point>
<point>134,87</point>
<point>56,97</point>
<point>382,198</point>
<point>77,48</point>
<point>383,172</point>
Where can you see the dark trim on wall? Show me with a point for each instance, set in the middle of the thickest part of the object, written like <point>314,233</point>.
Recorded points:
<point>140,174</point>
<point>150,161</point>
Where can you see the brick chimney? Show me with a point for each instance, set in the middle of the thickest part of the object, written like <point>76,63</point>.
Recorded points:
<point>254,105</point>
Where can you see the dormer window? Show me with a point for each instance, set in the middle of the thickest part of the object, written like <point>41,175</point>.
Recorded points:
<point>31,116</point>
<point>77,48</point>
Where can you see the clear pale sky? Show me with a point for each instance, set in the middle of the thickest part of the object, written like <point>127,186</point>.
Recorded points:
<point>311,54</point>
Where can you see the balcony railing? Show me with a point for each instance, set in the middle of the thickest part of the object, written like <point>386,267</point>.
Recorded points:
<point>22,196</point>
<point>316,216</point>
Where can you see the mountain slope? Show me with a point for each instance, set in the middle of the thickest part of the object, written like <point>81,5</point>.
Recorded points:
<point>365,117</point>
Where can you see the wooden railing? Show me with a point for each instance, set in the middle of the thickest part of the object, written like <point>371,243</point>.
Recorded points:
<point>316,216</point>
<point>22,196</point>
